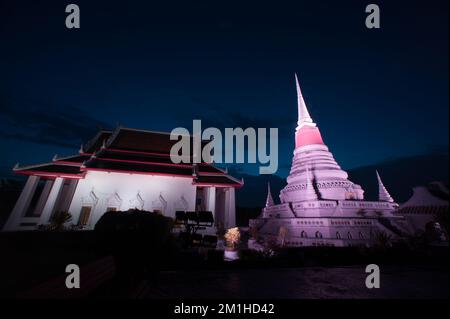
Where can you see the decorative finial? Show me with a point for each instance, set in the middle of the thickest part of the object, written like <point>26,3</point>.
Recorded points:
<point>16,166</point>
<point>269,200</point>
<point>303,115</point>
<point>194,170</point>
<point>55,158</point>
<point>81,149</point>
<point>383,194</point>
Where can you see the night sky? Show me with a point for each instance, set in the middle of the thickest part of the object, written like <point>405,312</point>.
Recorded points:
<point>375,94</point>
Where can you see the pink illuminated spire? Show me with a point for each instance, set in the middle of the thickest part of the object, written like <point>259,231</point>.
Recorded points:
<point>303,115</point>
<point>306,132</point>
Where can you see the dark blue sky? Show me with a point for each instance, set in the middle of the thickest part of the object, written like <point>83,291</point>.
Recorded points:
<point>375,94</point>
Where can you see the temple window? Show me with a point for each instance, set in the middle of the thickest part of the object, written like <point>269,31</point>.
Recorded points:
<point>84,215</point>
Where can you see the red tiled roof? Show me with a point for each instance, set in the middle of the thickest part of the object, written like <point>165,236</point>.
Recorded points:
<point>96,143</point>
<point>143,141</point>
<point>125,156</point>
<point>74,159</point>
<point>131,151</point>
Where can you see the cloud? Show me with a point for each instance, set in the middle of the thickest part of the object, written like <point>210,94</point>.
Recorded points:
<point>45,123</point>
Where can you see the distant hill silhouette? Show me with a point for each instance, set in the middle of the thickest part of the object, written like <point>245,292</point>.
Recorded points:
<point>398,175</point>
<point>401,175</point>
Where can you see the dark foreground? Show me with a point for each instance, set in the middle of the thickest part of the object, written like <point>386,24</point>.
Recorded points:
<point>33,266</point>
<point>291,283</point>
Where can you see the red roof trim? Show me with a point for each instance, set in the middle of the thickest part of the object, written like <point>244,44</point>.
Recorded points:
<point>52,175</point>
<point>87,169</point>
<point>200,173</point>
<point>63,160</point>
<point>218,185</point>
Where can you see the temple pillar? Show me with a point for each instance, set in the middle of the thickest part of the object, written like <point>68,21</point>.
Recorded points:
<point>66,196</point>
<point>43,198</point>
<point>211,199</point>
<point>52,198</point>
<point>22,204</point>
<point>230,208</point>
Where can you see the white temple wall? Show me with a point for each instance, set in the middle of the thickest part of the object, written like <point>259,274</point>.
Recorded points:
<point>103,190</point>
<point>99,192</point>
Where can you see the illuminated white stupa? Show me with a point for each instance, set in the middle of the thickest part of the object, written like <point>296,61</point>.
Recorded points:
<point>320,205</point>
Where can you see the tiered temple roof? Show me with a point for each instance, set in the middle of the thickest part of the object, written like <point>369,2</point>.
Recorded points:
<point>131,151</point>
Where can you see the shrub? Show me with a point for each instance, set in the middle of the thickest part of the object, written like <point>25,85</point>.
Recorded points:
<point>139,241</point>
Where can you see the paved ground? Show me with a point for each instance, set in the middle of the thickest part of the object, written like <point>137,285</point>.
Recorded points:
<point>299,283</point>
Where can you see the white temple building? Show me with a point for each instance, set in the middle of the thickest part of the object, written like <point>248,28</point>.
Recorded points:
<point>320,205</point>
<point>117,171</point>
